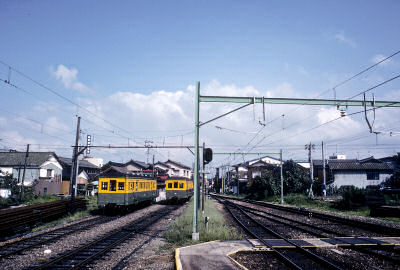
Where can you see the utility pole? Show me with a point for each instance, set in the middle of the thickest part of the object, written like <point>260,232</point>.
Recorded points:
<point>153,167</point>
<point>203,182</point>
<point>147,144</point>
<point>323,172</point>
<point>195,233</point>
<point>310,147</point>
<point>237,175</point>
<point>281,176</point>
<point>23,174</point>
<point>74,166</point>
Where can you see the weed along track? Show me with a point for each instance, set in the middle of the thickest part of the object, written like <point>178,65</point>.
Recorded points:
<point>301,239</point>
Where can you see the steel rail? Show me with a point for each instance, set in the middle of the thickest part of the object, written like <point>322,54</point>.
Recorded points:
<point>120,235</point>
<point>46,237</point>
<point>377,228</point>
<point>285,259</point>
<point>299,248</point>
<point>352,246</point>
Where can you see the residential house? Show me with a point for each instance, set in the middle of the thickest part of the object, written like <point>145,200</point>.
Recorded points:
<point>393,161</point>
<point>179,169</point>
<point>43,170</point>
<point>131,165</point>
<point>164,168</point>
<point>99,162</point>
<point>86,173</point>
<point>173,168</point>
<point>256,169</point>
<point>352,172</point>
<point>256,166</point>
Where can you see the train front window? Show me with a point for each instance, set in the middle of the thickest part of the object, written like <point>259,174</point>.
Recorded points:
<point>121,186</point>
<point>169,185</point>
<point>175,184</point>
<point>104,185</point>
<point>113,185</point>
<point>181,185</point>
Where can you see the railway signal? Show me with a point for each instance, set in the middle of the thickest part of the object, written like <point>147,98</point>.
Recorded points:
<point>207,155</point>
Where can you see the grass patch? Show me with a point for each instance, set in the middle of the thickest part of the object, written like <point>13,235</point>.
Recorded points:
<point>91,207</point>
<point>301,200</point>
<point>41,199</point>
<point>180,232</point>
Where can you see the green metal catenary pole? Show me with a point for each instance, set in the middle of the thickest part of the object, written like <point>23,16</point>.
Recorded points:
<point>195,234</point>
<point>300,101</point>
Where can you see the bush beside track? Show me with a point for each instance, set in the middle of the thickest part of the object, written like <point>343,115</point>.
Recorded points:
<point>180,232</point>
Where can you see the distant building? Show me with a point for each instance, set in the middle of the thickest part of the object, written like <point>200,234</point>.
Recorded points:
<point>246,171</point>
<point>43,170</point>
<point>174,168</point>
<point>352,172</point>
<point>131,165</point>
<point>99,162</point>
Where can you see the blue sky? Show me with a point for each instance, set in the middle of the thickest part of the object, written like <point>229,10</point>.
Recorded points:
<point>102,50</point>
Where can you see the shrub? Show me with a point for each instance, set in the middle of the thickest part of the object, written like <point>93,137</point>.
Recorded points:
<point>352,197</point>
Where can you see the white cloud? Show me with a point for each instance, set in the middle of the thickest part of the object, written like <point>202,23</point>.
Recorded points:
<point>3,122</point>
<point>69,78</point>
<point>342,38</point>
<point>53,125</point>
<point>160,116</point>
<point>379,57</point>
<point>13,137</point>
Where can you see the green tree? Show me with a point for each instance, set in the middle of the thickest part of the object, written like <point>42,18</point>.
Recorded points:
<point>393,181</point>
<point>295,180</point>
<point>257,188</point>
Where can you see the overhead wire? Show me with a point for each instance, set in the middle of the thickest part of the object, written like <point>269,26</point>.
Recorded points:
<point>340,84</point>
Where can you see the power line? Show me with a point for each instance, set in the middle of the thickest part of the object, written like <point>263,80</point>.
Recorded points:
<point>342,83</point>
<point>60,96</point>
<point>371,88</point>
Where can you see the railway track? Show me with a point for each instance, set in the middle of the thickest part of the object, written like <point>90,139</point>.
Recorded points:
<point>367,226</point>
<point>296,257</point>
<point>32,242</point>
<point>383,252</point>
<point>90,252</point>
<point>15,219</point>
<point>280,223</point>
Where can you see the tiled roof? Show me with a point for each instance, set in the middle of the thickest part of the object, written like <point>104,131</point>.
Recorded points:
<point>141,164</point>
<point>162,164</point>
<point>82,163</point>
<point>277,159</point>
<point>354,164</point>
<point>358,166</point>
<point>178,164</point>
<point>35,159</point>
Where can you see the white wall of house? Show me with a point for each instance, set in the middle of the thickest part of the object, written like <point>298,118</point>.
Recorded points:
<point>95,161</point>
<point>357,179</point>
<point>6,171</point>
<point>266,160</point>
<point>5,193</point>
<point>255,174</point>
<point>170,172</point>
<point>46,173</point>
<point>179,171</point>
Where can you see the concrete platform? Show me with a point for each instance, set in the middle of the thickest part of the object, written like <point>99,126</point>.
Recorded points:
<point>210,255</point>
<point>215,254</point>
